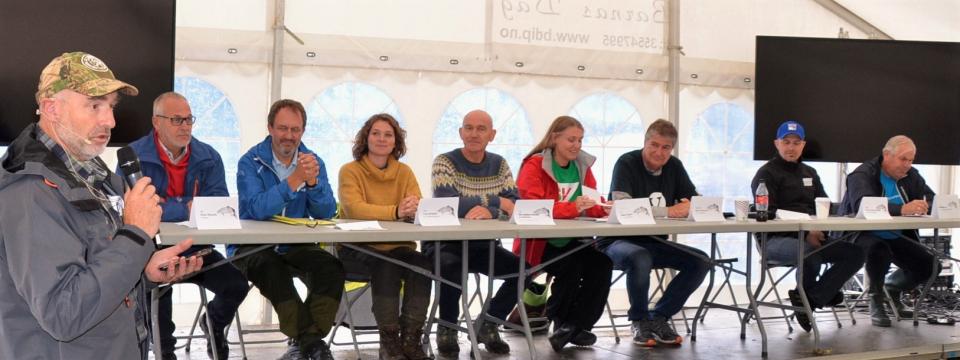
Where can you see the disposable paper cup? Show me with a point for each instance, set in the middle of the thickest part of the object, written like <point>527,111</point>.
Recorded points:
<point>741,207</point>
<point>823,207</point>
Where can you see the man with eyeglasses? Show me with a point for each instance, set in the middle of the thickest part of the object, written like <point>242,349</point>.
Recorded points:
<point>794,186</point>
<point>182,168</point>
<point>652,172</point>
<point>280,176</point>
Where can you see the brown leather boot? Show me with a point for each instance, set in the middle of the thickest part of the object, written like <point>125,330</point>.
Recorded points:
<point>390,348</point>
<point>410,342</point>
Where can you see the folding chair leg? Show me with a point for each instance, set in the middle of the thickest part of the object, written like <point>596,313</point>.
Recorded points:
<point>776,293</point>
<point>613,324</point>
<point>243,345</point>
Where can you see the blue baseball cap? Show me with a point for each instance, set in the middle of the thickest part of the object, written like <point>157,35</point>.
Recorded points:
<point>790,127</point>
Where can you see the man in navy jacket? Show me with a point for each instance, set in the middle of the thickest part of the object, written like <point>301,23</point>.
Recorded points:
<point>892,175</point>
<point>280,176</point>
<point>182,168</point>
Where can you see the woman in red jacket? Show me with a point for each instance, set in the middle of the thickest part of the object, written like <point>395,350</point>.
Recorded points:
<point>556,169</point>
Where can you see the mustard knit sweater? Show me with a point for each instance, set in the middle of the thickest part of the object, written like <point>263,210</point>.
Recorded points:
<point>369,193</point>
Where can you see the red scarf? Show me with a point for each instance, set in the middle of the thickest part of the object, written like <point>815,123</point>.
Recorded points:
<point>176,173</point>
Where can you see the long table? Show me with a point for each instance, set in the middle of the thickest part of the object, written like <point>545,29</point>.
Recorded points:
<point>260,232</point>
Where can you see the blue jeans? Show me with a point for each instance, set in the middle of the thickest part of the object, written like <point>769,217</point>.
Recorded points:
<point>636,256</point>
<point>845,259</point>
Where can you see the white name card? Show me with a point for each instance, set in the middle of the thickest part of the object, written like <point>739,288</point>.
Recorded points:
<point>946,207</point>
<point>792,215</point>
<point>359,226</point>
<point>873,208</point>
<point>631,212</point>
<point>532,212</point>
<point>215,213</point>
<point>438,212</point>
<point>592,194</point>
<point>705,208</point>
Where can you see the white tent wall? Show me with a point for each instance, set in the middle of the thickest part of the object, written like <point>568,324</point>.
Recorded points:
<point>422,97</point>
<point>424,53</point>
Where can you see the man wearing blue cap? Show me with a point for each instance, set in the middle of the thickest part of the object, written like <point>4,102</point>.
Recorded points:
<point>793,186</point>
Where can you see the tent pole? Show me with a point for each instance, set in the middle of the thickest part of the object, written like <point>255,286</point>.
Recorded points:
<point>276,82</point>
<point>674,52</point>
<point>849,16</point>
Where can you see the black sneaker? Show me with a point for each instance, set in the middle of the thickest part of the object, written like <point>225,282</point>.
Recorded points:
<point>321,351</point>
<point>223,351</point>
<point>642,333</point>
<point>800,315</point>
<point>584,338</point>
<point>561,336</point>
<point>663,333</point>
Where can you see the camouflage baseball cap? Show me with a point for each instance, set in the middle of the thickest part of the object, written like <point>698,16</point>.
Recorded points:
<point>80,72</point>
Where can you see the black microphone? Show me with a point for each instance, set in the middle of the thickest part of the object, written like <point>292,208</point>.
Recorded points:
<point>129,165</point>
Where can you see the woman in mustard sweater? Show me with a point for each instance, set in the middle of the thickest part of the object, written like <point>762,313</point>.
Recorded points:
<point>378,187</point>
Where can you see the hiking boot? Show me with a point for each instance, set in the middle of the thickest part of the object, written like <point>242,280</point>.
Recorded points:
<point>489,336</point>
<point>878,315</point>
<point>321,351</point>
<point>663,333</point>
<point>642,333</point>
<point>411,343</point>
<point>390,343</point>
<point>293,352</point>
<point>800,315</point>
<point>447,341</point>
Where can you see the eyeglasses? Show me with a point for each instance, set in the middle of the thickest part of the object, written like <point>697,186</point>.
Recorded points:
<point>178,120</point>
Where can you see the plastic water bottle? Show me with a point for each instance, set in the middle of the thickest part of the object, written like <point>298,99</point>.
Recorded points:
<point>762,201</point>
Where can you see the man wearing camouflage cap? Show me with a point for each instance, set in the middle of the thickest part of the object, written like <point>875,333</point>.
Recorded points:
<point>75,260</point>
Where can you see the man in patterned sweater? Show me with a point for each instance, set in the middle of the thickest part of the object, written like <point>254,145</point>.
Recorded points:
<point>485,186</point>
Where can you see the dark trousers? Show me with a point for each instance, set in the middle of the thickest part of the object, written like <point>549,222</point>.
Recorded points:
<point>229,288</point>
<point>845,260</point>
<point>636,256</point>
<point>581,283</point>
<point>504,262</point>
<point>306,320</point>
<point>915,263</point>
<point>386,279</point>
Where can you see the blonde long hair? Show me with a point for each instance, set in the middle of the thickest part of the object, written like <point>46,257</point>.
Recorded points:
<point>559,124</point>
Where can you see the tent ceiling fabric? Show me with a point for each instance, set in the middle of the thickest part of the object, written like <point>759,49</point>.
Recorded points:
<point>928,20</point>
<point>612,39</point>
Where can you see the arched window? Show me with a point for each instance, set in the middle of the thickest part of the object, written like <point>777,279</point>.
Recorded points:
<point>217,122</point>
<point>335,116</point>
<point>514,136</point>
<point>719,152</point>
<point>718,155</point>
<point>612,127</point>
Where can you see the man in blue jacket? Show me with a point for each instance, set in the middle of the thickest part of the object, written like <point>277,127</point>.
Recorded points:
<point>892,175</point>
<point>182,168</point>
<point>280,176</point>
